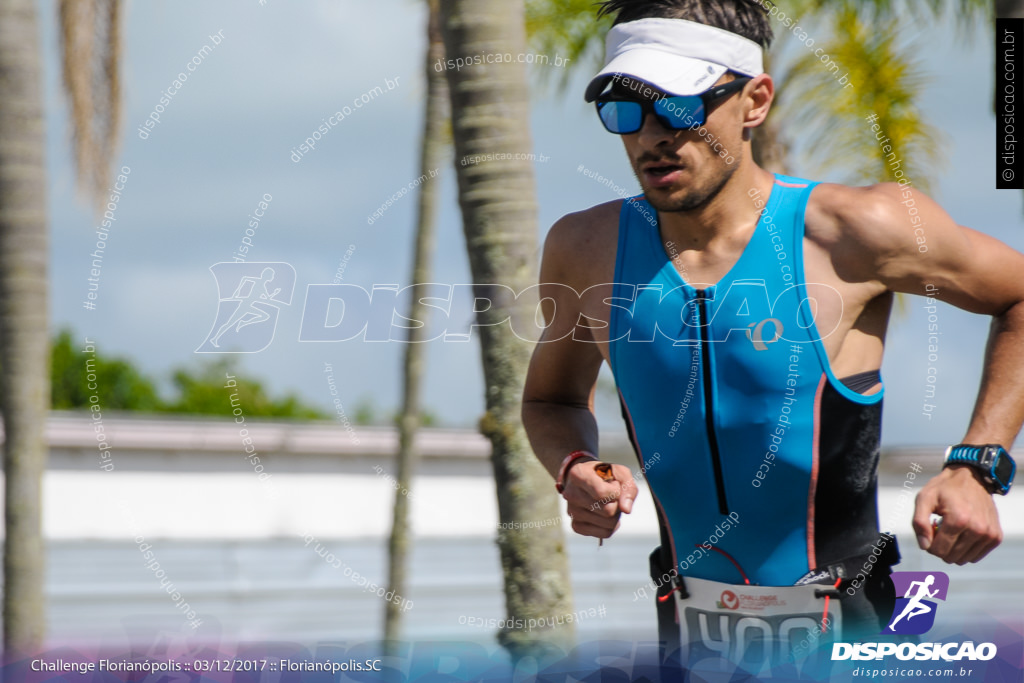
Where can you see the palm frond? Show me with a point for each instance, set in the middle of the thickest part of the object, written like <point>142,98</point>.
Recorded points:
<point>887,83</point>
<point>966,14</point>
<point>91,54</point>
<point>569,29</point>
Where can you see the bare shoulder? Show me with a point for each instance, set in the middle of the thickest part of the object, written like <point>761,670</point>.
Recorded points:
<point>869,230</point>
<point>579,250</point>
<point>873,216</point>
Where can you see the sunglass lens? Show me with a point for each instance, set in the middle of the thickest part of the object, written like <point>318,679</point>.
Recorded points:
<point>621,117</point>
<point>681,112</point>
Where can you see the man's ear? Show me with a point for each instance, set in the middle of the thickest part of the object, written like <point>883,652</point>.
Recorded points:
<point>759,94</point>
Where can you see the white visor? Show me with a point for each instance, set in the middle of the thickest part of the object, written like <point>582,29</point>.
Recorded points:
<point>677,56</point>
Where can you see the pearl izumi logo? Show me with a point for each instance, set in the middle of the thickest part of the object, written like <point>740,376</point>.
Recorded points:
<point>757,336</point>
<point>914,614</point>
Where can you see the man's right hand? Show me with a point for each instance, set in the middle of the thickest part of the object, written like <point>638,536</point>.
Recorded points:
<point>595,504</point>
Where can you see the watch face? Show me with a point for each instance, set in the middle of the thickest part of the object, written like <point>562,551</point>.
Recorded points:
<point>1003,472</point>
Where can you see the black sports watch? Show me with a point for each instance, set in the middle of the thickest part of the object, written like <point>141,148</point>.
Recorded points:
<point>991,460</point>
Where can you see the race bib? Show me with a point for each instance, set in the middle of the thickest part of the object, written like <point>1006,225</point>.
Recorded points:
<point>723,626</point>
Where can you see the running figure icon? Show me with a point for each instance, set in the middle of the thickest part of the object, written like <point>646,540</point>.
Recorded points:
<point>916,607</point>
<point>246,306</point>
<point>249,301</point>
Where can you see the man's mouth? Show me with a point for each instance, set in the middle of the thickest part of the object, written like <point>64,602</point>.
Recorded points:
<point>661,174</point>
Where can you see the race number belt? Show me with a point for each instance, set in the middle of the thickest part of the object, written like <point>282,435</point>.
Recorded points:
<point>755,627</point>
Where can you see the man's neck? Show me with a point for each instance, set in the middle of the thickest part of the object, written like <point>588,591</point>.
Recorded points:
<point>732,212</point>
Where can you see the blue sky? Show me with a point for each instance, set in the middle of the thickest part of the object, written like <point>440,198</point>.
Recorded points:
<point>225,140</point>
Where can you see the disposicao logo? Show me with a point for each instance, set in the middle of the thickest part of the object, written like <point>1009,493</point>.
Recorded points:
<point>248,307</point>
<point>914,614</point>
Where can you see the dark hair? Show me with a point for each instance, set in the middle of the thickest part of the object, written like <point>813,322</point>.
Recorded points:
<point>747,18</point>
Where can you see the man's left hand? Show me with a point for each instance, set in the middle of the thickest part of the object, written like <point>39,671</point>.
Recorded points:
<point>970,527</point>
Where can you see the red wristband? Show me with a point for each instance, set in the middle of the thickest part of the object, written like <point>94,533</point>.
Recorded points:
<point>567,463</point>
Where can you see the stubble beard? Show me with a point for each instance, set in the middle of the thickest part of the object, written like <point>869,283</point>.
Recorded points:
<point>693,196</point>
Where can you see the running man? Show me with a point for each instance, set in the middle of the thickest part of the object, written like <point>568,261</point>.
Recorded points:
<point>247,312</point>
<point>915,606</point>
<point>745,330</point>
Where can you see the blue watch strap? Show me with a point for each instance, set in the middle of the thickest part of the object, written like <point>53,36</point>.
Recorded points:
<point>986,459</point>
<point>965,454</point>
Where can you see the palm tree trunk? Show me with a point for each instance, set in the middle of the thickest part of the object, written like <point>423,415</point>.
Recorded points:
<point>490,114</point>
<point>432,153</point>
<point>24,346</point>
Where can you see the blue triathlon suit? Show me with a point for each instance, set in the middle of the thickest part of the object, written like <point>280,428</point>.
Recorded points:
<point>733,409</point>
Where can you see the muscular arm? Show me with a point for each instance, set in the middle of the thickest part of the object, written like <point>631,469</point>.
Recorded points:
<point>999,409</point>
<point>558,397</point>
<point>976,273</point>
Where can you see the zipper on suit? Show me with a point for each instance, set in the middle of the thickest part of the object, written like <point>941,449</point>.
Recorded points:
<point>705,348</point>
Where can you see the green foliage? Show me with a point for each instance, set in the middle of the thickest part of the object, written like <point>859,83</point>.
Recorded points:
<point>567,28</point>
<point>365,412</point>
<point>966,13</point>
<point>886,82</point>
<point>865,38</point>
<point>121,386</point>
<point>204,392</point>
